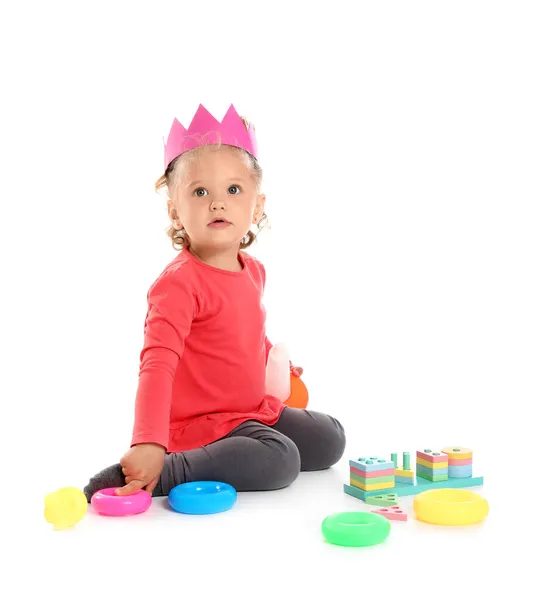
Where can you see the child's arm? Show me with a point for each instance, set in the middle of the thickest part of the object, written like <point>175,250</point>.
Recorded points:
<point>171,310</point>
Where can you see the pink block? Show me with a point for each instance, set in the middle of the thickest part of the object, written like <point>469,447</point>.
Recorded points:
<point>459,462</point>
<point>393,513</point>
<point>372,474</point>
<point>430,456</point>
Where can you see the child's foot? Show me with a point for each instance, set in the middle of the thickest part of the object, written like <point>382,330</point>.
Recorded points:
<point>107,478</point>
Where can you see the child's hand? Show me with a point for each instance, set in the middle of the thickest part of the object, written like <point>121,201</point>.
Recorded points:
<point>142,466</point>
<point>296,371</point>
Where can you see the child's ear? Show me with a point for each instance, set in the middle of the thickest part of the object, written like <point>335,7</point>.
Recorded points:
<point>173,215</point>
<point>259,208</point>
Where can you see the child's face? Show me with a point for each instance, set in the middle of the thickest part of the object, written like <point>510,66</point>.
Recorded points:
<point>216,199</point>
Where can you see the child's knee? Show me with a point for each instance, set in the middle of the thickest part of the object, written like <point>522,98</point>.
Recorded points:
<point>284,465</point>
<point>330,445</point>
<point>336,445</point>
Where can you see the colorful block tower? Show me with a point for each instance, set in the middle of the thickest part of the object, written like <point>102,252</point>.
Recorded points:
<point>459,461</point>
<point>372,474</point>
<point>404,475</point>
<point>432,466</point>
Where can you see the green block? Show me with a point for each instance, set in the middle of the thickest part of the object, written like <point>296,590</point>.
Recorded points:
<point>394,459</point>
<point>432,477</point>
<point>383,500</point>
<point>369,481</point>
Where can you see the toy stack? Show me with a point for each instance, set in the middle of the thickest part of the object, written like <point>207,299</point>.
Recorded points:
<point>378,481</point>
<point>459,461</point>
<point>372,474</point>
<point>404,475</point>
<point>432,466</point>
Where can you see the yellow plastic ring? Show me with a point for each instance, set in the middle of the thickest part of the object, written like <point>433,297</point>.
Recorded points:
<point>445,506</point>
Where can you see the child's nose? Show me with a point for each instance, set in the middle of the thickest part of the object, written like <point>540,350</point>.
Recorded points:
<point>218,200</point>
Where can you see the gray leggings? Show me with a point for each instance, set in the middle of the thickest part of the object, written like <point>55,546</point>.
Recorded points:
<point>256,457</point>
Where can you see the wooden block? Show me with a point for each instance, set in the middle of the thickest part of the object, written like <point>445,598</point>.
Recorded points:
<point>372,474</point>
<point>457,452</point>
<point>371,464</point>
<point>404,473</point>
<point>383,500</point>
<point>459,462</point>
<point>432,456</point>
<point>393,513</point>
<point>372,480</point>
<point>461,471</point>
<point>429,477</point>
<point>421,485</point>
<point>429,471</point>
<point>372,487</point>
<point>431,465</point>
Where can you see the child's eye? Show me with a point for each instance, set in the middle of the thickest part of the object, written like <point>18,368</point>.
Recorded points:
<point>200,192</point>
<point>234,189</point>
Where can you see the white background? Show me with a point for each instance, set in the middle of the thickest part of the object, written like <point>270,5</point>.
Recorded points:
<point>402,144</point>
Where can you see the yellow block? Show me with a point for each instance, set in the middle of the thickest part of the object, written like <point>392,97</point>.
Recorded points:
<point>373,486</point>
<point>404,473</point>
<point>431,465</point>
<point>461,452</point>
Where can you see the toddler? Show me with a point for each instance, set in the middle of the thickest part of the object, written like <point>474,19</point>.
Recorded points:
<point>201,409</point>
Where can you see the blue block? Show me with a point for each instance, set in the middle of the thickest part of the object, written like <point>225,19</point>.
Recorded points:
<point>460,471</point>
<point>424,469</point>
<point>422,485</point>
<point>399,479</point>
<point>372,464</point>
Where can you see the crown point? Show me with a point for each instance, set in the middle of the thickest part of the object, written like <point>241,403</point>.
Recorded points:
<point>205,127</point>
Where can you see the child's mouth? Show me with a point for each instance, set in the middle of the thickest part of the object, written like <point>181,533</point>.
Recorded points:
<point>218,223</point>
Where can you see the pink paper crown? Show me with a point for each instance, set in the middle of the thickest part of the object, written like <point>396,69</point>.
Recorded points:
<point>205,129</point>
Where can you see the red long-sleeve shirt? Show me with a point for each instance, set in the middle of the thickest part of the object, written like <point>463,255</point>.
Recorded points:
<point>203,361</point>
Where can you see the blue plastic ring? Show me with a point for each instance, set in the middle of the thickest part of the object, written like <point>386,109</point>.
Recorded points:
<point>202,497</point>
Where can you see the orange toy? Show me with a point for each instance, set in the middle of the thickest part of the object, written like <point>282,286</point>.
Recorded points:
<point>299,393</point>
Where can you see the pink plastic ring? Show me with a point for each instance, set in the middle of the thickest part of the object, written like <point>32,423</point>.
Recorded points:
<point>107,502</point>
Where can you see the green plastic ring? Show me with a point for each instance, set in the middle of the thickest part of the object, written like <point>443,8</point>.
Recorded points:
<point>355,529</point>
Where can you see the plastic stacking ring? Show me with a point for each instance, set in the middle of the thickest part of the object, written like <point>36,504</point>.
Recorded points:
<point>457,452</point>
<point>202,497</point>
<point>450,507</point>
<point>355,529</point>
<point>107,502</point>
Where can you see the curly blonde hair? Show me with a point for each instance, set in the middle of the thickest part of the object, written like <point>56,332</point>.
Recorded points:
<point>167,180</point>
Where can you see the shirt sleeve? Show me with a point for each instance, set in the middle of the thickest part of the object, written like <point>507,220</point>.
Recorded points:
<point>171,310</point>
